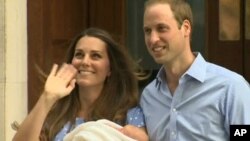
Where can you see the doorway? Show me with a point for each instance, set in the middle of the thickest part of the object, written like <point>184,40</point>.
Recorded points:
<point>53,23</point>
<point>228,34</point>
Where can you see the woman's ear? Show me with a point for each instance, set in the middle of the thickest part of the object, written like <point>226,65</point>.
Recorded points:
<point>109,73</point>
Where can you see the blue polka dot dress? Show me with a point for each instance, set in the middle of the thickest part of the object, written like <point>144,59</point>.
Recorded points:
<point>134,117</point>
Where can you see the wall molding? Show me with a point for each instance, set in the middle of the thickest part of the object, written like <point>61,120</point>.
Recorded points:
<point>2,70</point>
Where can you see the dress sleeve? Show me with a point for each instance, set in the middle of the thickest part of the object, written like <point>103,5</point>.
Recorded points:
<point>67,128</point>
<point>135,117</point>
<point>60,135</point>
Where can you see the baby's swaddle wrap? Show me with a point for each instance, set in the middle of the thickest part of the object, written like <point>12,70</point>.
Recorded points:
<point>101,130</point>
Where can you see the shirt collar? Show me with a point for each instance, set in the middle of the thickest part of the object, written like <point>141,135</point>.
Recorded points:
<point>197,70</point>
<point>160,76</point>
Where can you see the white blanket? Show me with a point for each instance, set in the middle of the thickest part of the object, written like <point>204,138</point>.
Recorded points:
<point>101,130</point>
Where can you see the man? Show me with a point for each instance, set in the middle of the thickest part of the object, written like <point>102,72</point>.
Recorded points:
<point>190,99</point>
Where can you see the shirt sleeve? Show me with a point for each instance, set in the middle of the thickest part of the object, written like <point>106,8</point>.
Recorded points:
<point>135,117</point>
<point>237,103</point>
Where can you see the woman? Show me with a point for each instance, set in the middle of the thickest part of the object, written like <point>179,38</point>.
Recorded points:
<point>97,81</point>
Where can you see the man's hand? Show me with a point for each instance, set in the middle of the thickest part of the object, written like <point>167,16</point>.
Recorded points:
<point>134,132</point>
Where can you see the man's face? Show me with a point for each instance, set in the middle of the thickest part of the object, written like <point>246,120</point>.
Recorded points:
<point>163,36</point>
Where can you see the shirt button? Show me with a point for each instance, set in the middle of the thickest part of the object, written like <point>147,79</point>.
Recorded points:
<point>173,134</point>
<point>174,110</point>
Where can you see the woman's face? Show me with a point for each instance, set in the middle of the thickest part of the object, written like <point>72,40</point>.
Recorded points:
<point>92,62</point>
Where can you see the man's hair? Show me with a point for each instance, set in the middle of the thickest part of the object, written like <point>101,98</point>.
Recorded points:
<point>180,8</point>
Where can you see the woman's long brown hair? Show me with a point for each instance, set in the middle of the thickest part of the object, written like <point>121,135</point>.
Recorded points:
<point>120,92</point>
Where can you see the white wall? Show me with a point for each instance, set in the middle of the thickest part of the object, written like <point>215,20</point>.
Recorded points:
<point>13,86</point>
<point>2,70</point>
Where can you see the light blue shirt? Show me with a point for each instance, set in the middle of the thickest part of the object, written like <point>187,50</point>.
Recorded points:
<point>134,117</point>
<point>208,99</point>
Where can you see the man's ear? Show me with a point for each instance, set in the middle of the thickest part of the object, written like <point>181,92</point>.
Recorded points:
<point>186,28</point>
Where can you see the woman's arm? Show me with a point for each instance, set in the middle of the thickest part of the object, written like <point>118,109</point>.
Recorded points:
<point>31,127</point>
<point>57,85</point>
